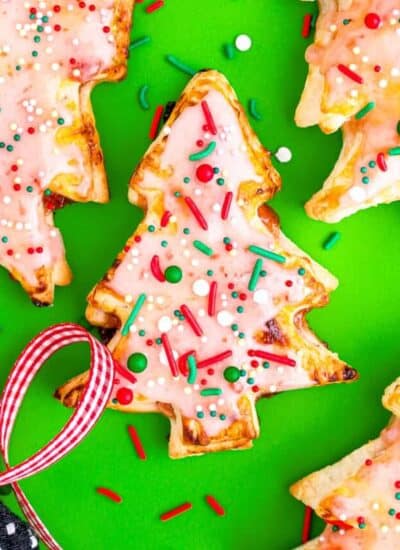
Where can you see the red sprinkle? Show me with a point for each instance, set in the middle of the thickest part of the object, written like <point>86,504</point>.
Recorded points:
<point>125,373</point>
<point>196,213</point>
<point>170,356</point>
<point>381,162</point>
<point>305,31</point>
<point>212,298</point>
<point>214,359</point>
<point>155,6</point>
<point>176,511</point>
<point>156,269</point>
<point>106,29</point>
<point>215,505</point>
<point>272,357</point>
<point>372,21</point>
<point>308,515</point>
<point>155,122</point>
<point>227,205</point>
<point>137,443</point>
<point>165,218</point>
<point>209,118</point>
<point>350,74</point>
<point>124,396</point>
<point>190,318</point>
<point>109,494</point>
<point>368,462</point>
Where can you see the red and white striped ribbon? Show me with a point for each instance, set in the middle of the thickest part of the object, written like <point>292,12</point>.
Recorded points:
<point>93,402</point>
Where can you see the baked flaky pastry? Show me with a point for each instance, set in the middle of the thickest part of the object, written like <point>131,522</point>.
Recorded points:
<point>354,83</point>
<point>208,298</point>
<point>359,495</point>
<point>51,56</point>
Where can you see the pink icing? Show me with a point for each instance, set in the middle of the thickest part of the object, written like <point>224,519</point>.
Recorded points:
<point>230,266</point>
<point>373,55</point>
<point>39,95</point>
<point>369,499</point>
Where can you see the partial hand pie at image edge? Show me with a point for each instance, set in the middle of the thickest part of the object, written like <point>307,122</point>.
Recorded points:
<point>358,496</point>
<point>207,301</point>
<point>50,151</point>
<point>354,83</point>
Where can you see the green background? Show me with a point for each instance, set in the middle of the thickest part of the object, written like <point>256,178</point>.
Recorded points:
<point>300,431</point>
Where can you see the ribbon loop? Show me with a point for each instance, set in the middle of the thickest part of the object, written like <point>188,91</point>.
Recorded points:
<point>93,402</point>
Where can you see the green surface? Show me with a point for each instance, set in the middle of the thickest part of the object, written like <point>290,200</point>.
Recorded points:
<point>300,431</point>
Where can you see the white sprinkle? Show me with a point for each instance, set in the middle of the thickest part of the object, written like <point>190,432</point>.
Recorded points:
<point>243,42</point>
<point>357,194</point>
<point>224,318</point>
<point>261,296</point>
<point>10,528</point>
<point>284,154</point>
<point>200,287</point>
<point>164,324</point>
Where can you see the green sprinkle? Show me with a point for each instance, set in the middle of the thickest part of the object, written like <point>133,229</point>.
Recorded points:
<point>186,231</point>
<point>253,109</point>
<point>331,240</point>
<point>226,240</point>
<point>235,294</point>
<point>394,151</point>
<point>242,372</point>
<point>392,512</point>
<point>200,414</point>
<point>177,194</point>
<point>372,164</point>
<point>203,248</point>
<point>335,528</point>
<point>231,374</point>
<point>242,335</point>
<point>17,137</point>
<point>365,179</point>
<point>364,170</point>
<point>173,274</point>
<point>143,97</point>
<point>398,127</point>
<point>115,401</point>
<point>267,254</point>
<point>180,65</point>
<point>255,275</point>
<point>60,121</point>
<point>207,392</point>
<point>39,28</point>
<point>4,239</point>
<point>250,381</point>
<point>139,42</point>
<point>263,273</point>
<point>220,181</point>
<point>137,362</point>
<point>240,309</point>
<point>234,327</point>
<point>301,271</point>
<point>164,244</point>
<point>346,21</point>
<point>204,152</point>
<point>192,369</point>
<point>29,188</point>
<point>222,416</point>
<point>133,314</point>
<point>265,365</point>
<point>158,341</point>
<point>45,19</point>
<point>229,51</point>
<point>142,332</point>
<point>47,192</point>
<point>210,272</point>
<point>397,496</point>
<point>186,179</point>
<point>216,170</point>
<point>365,110</point>
<point>213,413</point>
<point>10,148</point>
<point>36,39</point>
<point>151,228</point>
<point>2,144</point>
<point>362,525</point>
<point>35,53</point>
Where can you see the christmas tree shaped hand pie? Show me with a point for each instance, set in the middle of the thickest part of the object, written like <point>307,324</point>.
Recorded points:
<point>359,496</point>
<point>208,297</point>
<point>354,83</point>
<point>52,54</point>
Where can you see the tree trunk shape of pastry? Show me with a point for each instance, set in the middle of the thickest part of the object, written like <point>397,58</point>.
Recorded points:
<point>359,496</point>
<point>208,297</point>
<point>51,56</point>
<point>354,83</point>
